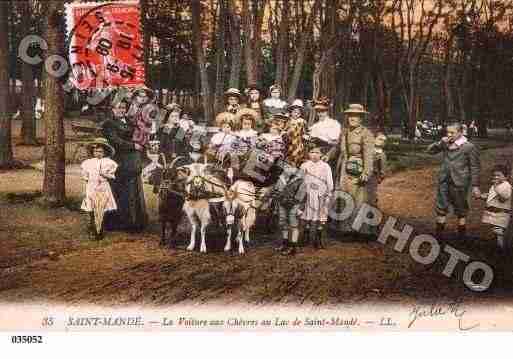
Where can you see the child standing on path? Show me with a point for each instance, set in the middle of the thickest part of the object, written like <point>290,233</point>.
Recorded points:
<point>498,204</point>
<point>96,171</point>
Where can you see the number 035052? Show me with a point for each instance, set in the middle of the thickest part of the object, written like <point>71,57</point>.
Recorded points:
<point>26,339</point>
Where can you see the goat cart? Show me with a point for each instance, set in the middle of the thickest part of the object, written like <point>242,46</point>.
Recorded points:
<point>214,206</point>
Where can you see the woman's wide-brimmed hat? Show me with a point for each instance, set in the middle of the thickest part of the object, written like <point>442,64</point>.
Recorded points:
<point>173,107</point>
<point>252,87</point>
<point>100,141</point>
<point>247,112</point>
<point>356,108</point>
<point>232,92</point>
<point>280,119</point>
<point>296,104</point>
<point>322,104</point>
<point>149,92</point>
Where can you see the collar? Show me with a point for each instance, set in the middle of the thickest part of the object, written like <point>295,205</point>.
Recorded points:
<point>458,143</point>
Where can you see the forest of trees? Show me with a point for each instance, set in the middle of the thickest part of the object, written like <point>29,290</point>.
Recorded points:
<point>405,60</point>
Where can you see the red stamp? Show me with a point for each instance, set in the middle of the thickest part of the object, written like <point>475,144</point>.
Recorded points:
<point>105,47</point>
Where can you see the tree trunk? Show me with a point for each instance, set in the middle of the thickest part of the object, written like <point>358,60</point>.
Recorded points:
<point>258,12</point>
<point>200,56</point>
<point>281,55</point>
<point>54,172</point>
<point>146,41</point>
<point>6,157</point>
<point>248,44</point>
<point>235,46</point>
<point>28,128</point>
<point>220,57</point>
<point>304,38</point>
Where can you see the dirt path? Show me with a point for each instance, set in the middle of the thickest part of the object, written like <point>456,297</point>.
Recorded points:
<point>46,255</point>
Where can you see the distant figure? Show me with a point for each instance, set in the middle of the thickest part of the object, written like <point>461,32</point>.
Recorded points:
<point>274,105</point>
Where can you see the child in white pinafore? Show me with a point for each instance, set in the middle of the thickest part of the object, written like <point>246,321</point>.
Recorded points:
<point>318,182</point>
<point>96,171</point>
<point>498,204</point>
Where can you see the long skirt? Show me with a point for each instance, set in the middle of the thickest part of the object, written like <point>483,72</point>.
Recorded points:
<point>131,214</point>
<point>360,194</point>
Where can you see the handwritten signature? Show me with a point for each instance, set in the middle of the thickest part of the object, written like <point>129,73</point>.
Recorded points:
<point>435,310</point>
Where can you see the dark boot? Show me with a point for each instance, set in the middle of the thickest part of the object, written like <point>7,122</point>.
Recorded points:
<point>306,237</point>
<point>462,231</point>
<point>440,227</point>
<point>291,250</point>
<point>315,240</point>
<point>91,227</point>
<point>284,242</point>
<point>319,238</point>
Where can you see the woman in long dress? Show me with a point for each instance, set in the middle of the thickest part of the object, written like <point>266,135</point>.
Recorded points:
<point>127,186</point>
<point>355,166</point>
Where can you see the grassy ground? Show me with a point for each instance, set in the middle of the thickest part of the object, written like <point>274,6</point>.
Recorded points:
<point>47,255</point>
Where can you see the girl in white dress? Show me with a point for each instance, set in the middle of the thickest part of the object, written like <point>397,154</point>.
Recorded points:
<point>246,136</point>
<point>96,171</point>
<point>222,143</point>
<point>498,204</point>
<point>318,183</point>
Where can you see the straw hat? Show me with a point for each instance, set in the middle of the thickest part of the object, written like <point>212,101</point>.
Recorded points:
<point>252,87</point>
<point>296,104</point>
<point>322,104</point>
<point>356,108</point>
<point>232,92</point>
<point>100,141</point>
<point>173,107</point>
<point>148,91</point>
<point>279,119</point>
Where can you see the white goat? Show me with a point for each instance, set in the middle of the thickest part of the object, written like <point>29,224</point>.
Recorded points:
<point>235,212</point>
<point>250,198</point>
<point>200,182</point>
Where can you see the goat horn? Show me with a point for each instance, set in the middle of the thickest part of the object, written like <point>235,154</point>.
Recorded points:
<point>173,162</point>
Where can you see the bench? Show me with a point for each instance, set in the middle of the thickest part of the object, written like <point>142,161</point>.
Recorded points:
<point>85,132</point>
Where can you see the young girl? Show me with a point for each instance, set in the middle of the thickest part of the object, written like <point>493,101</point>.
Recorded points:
<point>380,158</point>
<point>273,142</point>
<point>246,136</point>
<point>318,181</point>
<point>498,204</point>
<point>222,142</point>
<point>96,171</point>
<point>142,120</point>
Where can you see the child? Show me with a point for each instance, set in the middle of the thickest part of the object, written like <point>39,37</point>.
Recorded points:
<point>221,144</point>
<point>380,158</point>
<point>98,195</point>
<point>272,142</point>
<point>498,204</point>
<point>318,184</point>
<point>246,136</point>
<point>287,194</point>
<point>142,120</point>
